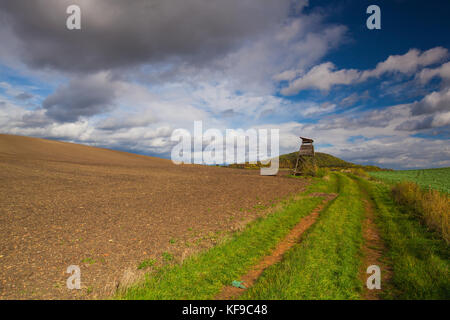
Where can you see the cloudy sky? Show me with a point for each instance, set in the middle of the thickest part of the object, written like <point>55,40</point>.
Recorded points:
<point>139,69</point>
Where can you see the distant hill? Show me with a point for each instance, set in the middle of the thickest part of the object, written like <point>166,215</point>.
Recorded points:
<point>323,160</point>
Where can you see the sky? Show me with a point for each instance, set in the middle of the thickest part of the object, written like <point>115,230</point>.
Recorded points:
<point>136,71</point>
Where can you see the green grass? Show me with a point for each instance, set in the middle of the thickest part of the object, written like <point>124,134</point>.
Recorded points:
<point>323,186</point>
<point>419,258</point>
<point>88,260</point>
<point>167,256</point>
<point>438,179</point>
<point>204,275</point>
<point>325,264</point>
<point>146,264</point>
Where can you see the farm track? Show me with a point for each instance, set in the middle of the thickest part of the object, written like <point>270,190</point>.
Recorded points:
<point>373,250</point>
<point>65,204</point>
<point>325,264</point>
<point>294,236</point>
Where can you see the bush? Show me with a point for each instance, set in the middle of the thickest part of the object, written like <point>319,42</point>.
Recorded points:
<point>433,207</point>
<point>309,169</point>
<point>359,172</point>
<point>322,172</point>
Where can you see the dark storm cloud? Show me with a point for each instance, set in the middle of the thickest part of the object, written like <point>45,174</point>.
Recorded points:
<point>24,96</point>
<point>85,96</point>
<point>120,33</point>
<point>432,103</point>
<point>35,119</point>
<point>229,113</point>
<point>126,122</point>
<point>375,119</point>
<point>414,125</point>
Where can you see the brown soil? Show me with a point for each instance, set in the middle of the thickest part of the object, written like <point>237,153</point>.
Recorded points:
<point>107,211</point>
<point>373,249</point>
<point>249,279</point>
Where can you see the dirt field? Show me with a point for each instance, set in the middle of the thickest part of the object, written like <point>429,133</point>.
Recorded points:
<point>64,204</point>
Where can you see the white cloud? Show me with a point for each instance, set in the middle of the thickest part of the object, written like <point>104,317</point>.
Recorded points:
<point>407,63</point>
<point>319,109</point>
<point>288,75</point>
<point>442,71</point>
<point>322,77</point>
<point>297,44</point>
<point>441,119</point>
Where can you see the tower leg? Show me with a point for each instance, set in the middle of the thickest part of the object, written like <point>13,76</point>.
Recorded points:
<point>299,165</point>
<point>297,162</point>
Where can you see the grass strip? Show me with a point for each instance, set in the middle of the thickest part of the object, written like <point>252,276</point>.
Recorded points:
<point>419,257</point>
<point>430,206</point>
<point>325,264</point>
<point>203,276</point>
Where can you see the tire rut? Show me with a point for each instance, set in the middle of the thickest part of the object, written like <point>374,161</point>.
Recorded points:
<point>373,251</point>
<point>293,237</point>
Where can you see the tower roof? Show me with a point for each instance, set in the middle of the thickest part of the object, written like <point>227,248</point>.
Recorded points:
<point>307,139</point>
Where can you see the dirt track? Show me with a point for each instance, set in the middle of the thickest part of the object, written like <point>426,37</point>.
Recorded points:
<point>292,238</point>
<point>107,211</point>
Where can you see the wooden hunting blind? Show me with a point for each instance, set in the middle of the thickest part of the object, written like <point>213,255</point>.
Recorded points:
<point>306,150</point>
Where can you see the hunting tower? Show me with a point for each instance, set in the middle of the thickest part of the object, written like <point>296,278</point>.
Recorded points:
<point>306,150</point>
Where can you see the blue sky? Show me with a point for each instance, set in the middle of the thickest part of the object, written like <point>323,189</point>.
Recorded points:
<point>134,73</point>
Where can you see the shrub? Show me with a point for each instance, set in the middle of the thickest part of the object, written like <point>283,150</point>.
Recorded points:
<point>432,206</point>
<point>309,169</point>
<point>359,172</point>
<point>322,172</point>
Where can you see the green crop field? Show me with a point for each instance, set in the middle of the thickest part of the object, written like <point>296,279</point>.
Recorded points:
<point>438,179</point>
